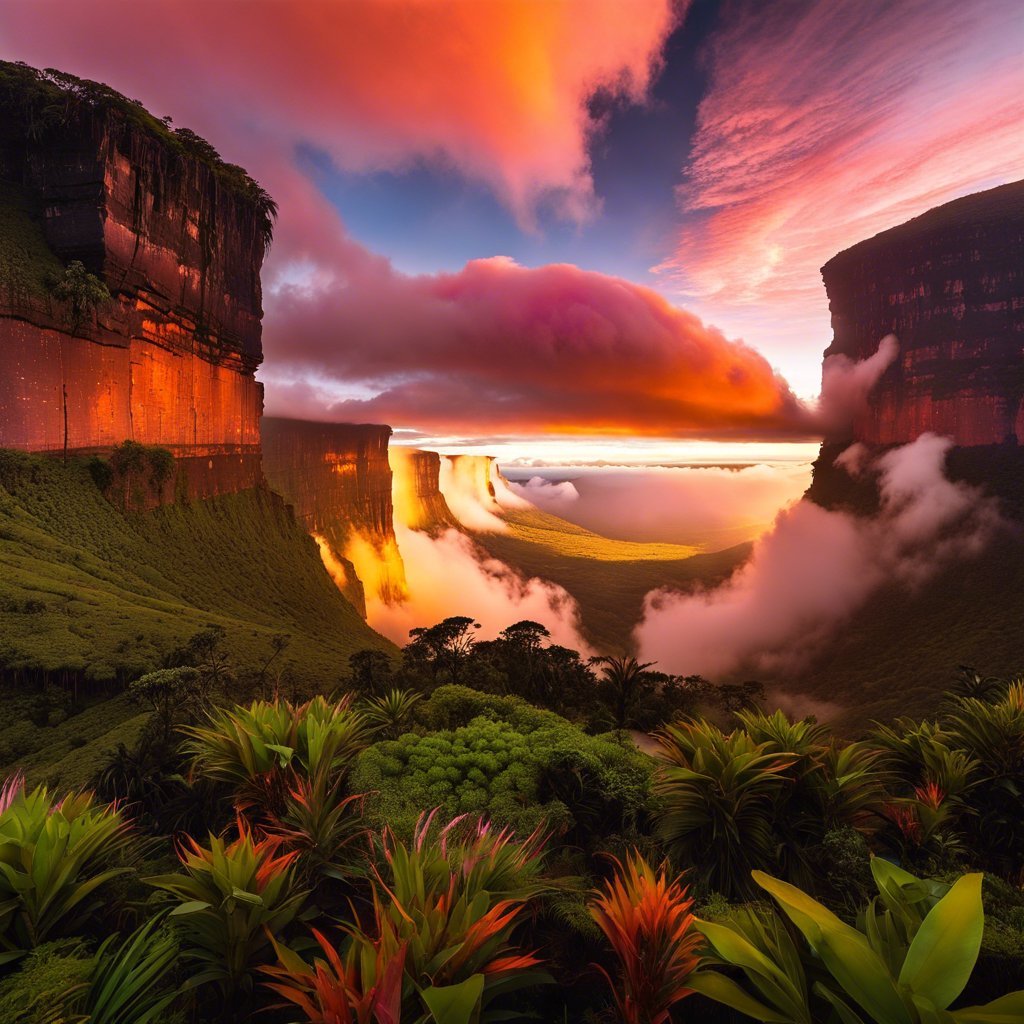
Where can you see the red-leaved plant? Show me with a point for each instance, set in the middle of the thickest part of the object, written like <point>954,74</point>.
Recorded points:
<point>646,917</point>
<point>363,988</point>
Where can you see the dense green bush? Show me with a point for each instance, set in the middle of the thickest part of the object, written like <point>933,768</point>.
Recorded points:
<point>518,765</point>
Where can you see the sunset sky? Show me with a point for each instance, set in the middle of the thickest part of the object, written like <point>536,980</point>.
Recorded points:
<point>518,219</point>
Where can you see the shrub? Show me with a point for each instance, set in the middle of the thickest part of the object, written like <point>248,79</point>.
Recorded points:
<point>519,775</point>
<point>54,857</point>
<point>762,796</point>
<point>232,900</point>
<point>647,920</point>
<point>259,750</point>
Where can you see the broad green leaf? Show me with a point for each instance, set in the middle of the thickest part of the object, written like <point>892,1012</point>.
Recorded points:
<point>883,871</point>
<point>1008,1009</point>
<point>858,969</point>
<point>454,1004</point>
<point>192,907</point>
<point>944,951</point>
<point>724,990</point>
<point>735,949</point>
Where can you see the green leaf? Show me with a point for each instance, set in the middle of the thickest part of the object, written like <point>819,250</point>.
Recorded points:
<point>725,991</point>
<point>1008,1009</point>
<point>859,970</point>
<point>843,1012</point>
<point>192,907</point>
<point>883,871</point>
<point>944,951</point>
<point>455,1004</point>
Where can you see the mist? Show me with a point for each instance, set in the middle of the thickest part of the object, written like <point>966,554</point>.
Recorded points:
<point>449,575</point>
<point>816,567</point>
<point>710,506</point>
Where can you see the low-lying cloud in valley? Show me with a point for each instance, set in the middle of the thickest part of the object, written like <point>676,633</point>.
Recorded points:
<point>816,567</point>
<point>710,506</point>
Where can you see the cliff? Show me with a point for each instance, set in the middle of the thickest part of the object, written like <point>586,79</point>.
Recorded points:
<point>338,478</point>
<point>950,285</point>
<point>418,501</point>
<point>175,234</point>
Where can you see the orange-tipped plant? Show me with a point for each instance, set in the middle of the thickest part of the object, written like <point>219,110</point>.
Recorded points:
<point>446,906</point>
<point>363,988</point>
<point>646,917</point>
<point>233,898</point>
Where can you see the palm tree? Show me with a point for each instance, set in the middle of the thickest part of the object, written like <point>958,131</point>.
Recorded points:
<point>624,683</point>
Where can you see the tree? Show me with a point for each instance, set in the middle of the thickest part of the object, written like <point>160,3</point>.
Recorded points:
<point>736,697</point>
<point>445,646</point>
<point>174,694</point>
<point>81,292</point>
<point>623,685</point>
<point>370,672</point>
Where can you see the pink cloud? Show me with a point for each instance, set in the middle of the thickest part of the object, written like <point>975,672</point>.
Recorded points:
<point>496,90</point>
<point>825,123</point>
<point>499,347</point>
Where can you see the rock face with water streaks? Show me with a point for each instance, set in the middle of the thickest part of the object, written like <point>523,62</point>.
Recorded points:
<point>178,238</point>
<point>950,285</point>
<point>338,478</point>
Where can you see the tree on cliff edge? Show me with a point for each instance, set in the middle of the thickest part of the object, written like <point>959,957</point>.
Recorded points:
<point>81,293</point>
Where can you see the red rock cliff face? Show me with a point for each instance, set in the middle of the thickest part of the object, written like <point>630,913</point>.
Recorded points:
<point>419,503</point>
<point>338,478</point>
<point>170,360</point>
<point>950,285</point>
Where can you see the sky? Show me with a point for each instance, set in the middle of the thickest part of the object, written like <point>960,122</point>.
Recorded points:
<point>573,222</point>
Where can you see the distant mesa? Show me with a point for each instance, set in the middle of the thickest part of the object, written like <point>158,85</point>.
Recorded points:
<point>950,285</point>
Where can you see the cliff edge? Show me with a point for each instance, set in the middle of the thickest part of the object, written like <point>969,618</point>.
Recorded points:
<point>177,236</point>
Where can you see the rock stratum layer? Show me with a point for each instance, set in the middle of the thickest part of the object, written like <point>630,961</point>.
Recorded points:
<point>338,478</point>
<point>950,285</point>
<point>176,235</point>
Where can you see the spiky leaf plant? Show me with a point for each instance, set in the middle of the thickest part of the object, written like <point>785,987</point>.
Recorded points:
<point>260,749</point>
<point>647,919</point>
<point>232,899</point>
<point>55,857</point>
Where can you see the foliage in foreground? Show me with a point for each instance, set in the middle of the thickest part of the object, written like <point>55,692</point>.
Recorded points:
<point>646,919</point>
<point>910,958</point>
<point>55,856</point>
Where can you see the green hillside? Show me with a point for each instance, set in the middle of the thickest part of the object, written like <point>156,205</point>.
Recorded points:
<point>902,649</point>
<point>608,578</point>
<point>91,597</point>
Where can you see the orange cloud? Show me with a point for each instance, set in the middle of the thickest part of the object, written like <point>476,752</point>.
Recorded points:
<point>496,89</point>
<point>501,348</point>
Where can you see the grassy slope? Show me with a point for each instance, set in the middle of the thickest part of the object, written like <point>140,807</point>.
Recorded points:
<point>25,258</point>
<point>99,595</point>
<point>902,650</point>
<point>608,578</point>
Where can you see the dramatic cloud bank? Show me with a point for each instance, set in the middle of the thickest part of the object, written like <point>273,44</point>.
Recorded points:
<point>825,123</point>
<point>501,348</point>
<point>450,575</point>
<point>711,506</point>
<point>495,90</point>
<point>816,567</point>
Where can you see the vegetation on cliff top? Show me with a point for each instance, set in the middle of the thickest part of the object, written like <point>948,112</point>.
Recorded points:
<point>35,103</point>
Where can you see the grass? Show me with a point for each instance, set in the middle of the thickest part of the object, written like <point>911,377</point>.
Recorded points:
<point>26,261</point>
<point>902,649</point>
<point>608,578</point>
<point>92,597</point>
